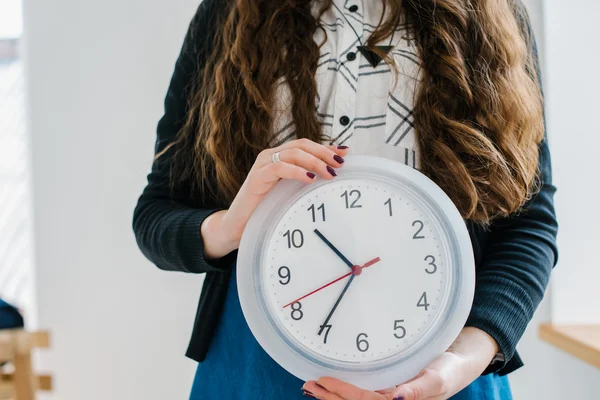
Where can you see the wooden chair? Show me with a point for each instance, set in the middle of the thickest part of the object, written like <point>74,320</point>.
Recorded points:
<point>17,380</point>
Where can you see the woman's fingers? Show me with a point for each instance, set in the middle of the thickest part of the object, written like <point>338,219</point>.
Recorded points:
<point>430,384</point>
<point>319,392</point>
<point>311,156</point>
<point>261,180</point>
<point>309,162</point>
<point>339,389</point>
<point>387,391</point>
<point>282,170</point>
<point>330,155</point>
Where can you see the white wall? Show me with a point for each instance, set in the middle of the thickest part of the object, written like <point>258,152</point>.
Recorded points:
<point>98,71</point>
<point>573,87</point>
<point>550,373</point>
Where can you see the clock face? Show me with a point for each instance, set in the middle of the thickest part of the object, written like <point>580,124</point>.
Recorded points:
<point>356,271</point>
<point>366,278</point>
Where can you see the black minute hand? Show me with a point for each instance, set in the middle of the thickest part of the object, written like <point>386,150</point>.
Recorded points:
<point>337,302</point>
<point>332,247</point>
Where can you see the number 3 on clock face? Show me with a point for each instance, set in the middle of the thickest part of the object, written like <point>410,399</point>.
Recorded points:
<point>362,273</point>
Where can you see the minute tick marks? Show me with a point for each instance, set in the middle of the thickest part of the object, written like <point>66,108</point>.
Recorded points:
<point>340,293</point>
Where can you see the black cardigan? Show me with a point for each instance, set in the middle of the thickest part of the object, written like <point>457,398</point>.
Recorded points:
<point>514,257</point>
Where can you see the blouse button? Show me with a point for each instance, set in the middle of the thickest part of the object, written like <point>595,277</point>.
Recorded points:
<point>344,120</point>
<point>351,56</point>
<point>353,8</point>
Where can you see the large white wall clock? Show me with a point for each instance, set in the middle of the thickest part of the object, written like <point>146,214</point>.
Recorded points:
<point>367,277</point>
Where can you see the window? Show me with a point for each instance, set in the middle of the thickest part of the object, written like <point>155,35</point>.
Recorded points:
<point>16,250</point>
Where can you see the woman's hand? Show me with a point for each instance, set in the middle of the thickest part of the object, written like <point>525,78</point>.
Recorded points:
<point>301,160</point>
<point>461,364</point>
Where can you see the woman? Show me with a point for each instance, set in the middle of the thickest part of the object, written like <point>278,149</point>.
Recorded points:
<point>447,86</point>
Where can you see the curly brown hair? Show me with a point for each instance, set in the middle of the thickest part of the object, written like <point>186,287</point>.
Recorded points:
<point>478,108</point>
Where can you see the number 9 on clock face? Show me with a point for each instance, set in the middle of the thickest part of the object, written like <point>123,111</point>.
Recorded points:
<point>366,277</point>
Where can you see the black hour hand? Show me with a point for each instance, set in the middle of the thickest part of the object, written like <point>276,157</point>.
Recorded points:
<point>332,247</point>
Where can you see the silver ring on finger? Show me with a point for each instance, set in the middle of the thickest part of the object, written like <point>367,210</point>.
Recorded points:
<point>275,157</point>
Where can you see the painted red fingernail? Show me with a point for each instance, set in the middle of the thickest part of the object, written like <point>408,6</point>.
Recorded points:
<point>338,159</point>
<point>310,175</point>
<point>308,394</point>
<point>343,147</point>
<point>331,171</point>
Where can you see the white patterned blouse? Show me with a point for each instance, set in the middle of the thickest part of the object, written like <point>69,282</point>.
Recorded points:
<point>359,105</point>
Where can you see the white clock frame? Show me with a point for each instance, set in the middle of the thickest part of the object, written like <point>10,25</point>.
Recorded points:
<point>381,374</point>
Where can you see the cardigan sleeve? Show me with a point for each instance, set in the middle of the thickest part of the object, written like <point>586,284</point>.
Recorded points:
<point>518,260</point>
<point>165,222</point>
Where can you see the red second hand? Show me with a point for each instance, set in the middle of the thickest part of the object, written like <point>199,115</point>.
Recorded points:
<point>354,271</point>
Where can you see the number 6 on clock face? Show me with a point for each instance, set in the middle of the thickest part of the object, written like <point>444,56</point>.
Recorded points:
<point>366,277</point>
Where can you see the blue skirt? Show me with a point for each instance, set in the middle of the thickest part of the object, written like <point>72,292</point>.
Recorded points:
<point>237,367</point>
